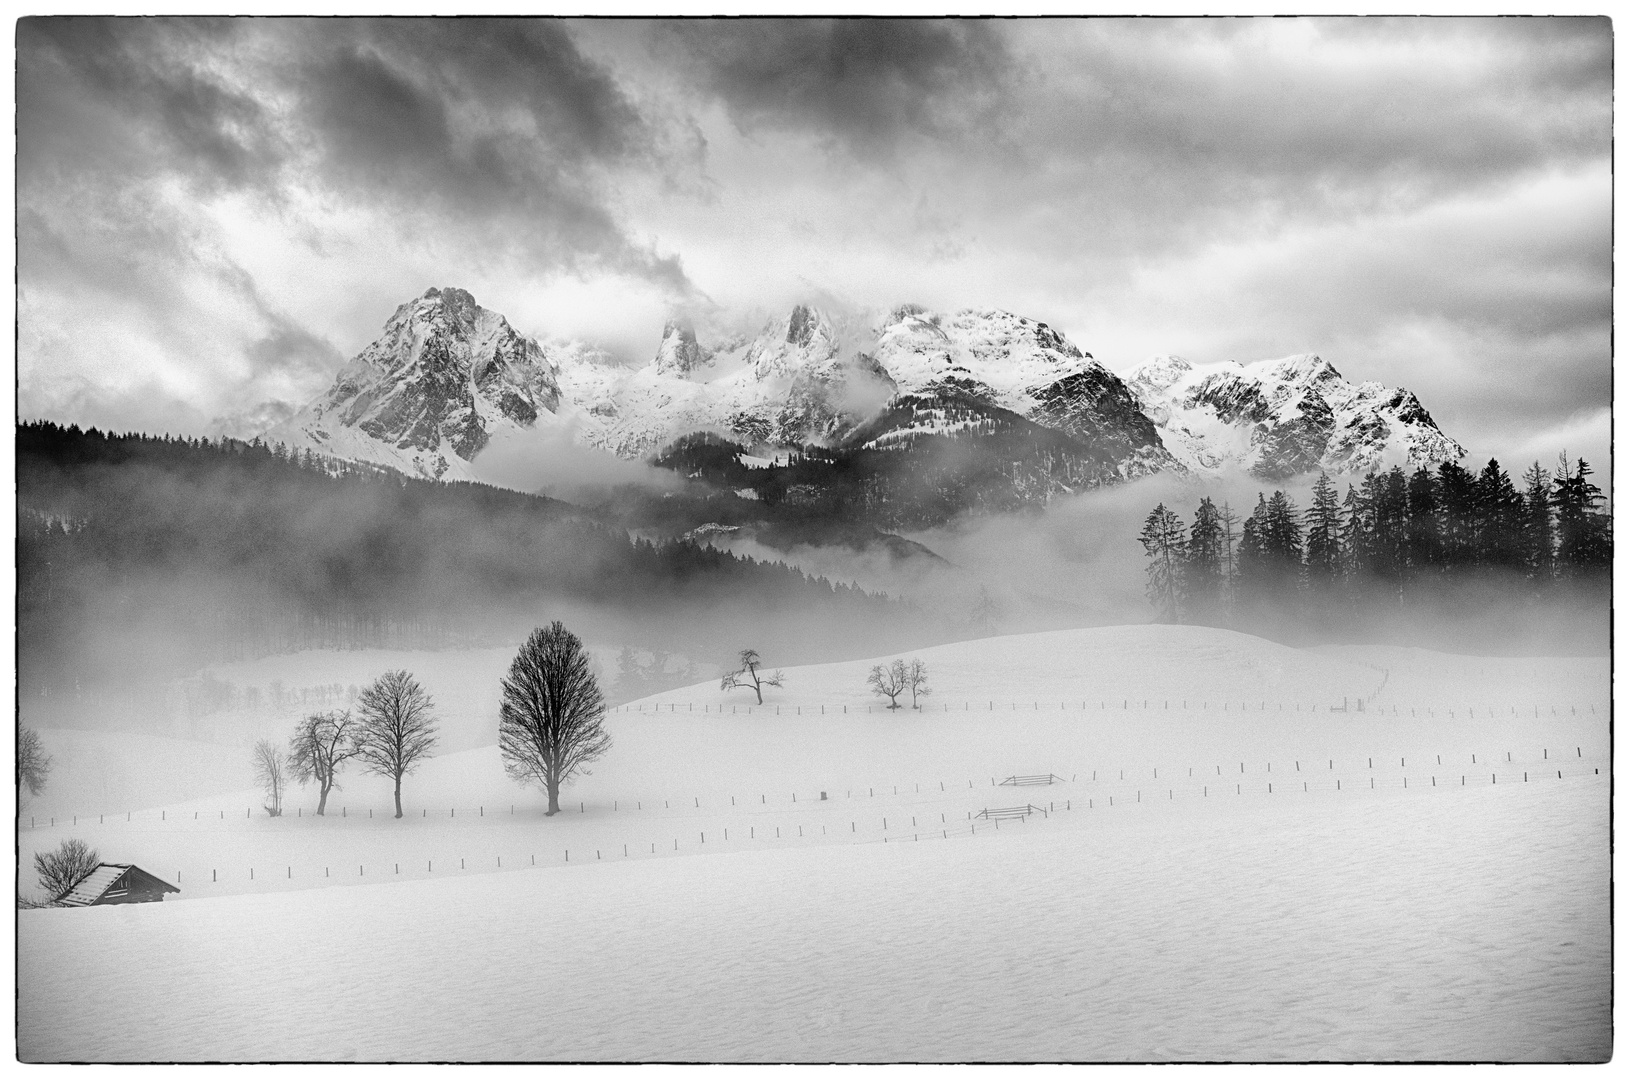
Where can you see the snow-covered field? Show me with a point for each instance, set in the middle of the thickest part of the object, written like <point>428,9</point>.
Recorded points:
<point>1226,870</point>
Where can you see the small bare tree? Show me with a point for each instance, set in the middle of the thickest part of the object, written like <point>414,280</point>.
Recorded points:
<point>322,744</point>
<point>549,724</point>
<point>62,869</point>
<point>916,676</point>
<point>747,677</point>
<point>271,773</point>
<point>33,765</point>
<point>396,727</point>
<point>889,681</point>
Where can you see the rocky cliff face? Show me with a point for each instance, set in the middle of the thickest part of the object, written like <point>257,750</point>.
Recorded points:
<point>427,396</point>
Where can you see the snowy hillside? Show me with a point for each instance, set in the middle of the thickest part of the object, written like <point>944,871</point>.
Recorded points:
<point>1235,860</point>
<point>1282,418</point>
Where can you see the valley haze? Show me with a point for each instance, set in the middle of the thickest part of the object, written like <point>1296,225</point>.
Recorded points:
<point>495,497</point>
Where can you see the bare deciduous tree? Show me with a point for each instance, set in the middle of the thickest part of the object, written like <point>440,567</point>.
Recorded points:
<point>33,765</point>
<point>396,727</point>
<point>62,869</point>
<point>916,676</point>
<point>747,677</point>
<point>549,724</point>
<point>889,681</point>
<point>271,773</point>
<point>321,745</point>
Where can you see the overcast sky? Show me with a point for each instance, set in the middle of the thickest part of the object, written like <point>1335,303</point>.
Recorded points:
<point>213,215</point>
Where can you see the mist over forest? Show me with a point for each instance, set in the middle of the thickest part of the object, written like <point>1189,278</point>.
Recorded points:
<point>1445,558</point>
<point>143,559</point>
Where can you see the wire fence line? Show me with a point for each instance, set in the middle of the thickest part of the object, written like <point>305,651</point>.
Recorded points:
<point>880,830</point>
<point>1353,704</point>
<point>1547,758</point>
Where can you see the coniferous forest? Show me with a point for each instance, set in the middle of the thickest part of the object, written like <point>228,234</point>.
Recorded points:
<point>141,557</point>
<point>1448,543</point>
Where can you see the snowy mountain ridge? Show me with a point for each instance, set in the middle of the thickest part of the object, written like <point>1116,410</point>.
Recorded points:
<point>447,377</point>
<point>1281,418</point>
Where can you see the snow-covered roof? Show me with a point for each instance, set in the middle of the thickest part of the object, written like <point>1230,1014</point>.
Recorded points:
<point>95,884</point>
<point>92,885</point>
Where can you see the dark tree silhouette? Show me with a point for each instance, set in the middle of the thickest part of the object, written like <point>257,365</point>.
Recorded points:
<point>62,869</point>
<point>550,721</point>
<point>319,749</point>
<point>747,677</point>
<point>396,729</point>
<point>1398,540</point>
<point>1538,524</point>
<point>1583,533</point>
<point>1500,519</point>
<point>1204,564</point>
<point>1323,537</point>
<point>1424,526</point>
<point>1164,540</point>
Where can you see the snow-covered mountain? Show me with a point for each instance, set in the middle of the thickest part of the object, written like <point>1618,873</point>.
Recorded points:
<point>426,397</point>
<point>1282,418</point>
<point>447,377</point>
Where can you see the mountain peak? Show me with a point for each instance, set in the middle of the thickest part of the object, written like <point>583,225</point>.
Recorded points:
<point>447,375</point>
<point>428,394</point>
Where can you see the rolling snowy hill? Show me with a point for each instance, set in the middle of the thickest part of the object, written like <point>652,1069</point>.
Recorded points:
<point>1252,875</point>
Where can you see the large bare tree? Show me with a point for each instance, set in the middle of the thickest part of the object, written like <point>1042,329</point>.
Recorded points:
<point>396,727</point>
<point>550,721</point>
<point>271,773</point>
<point>321,746</point>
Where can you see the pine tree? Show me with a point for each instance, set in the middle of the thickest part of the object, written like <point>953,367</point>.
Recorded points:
<point>1230,558</point>
<point>1424,538</point>
<point>1255,573</point>
<point>1499,519</point>
<point>1164,541</point>
<point>1203,574</point>
<point>1538,525</point>
<point>1281,542</point>
<point>1323,537</point>
<point>1583,533</point>
<point>1457,517</point>
<point>1352,528</point>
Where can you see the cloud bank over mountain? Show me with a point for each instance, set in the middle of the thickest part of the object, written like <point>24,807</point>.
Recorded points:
<point>212,214</point>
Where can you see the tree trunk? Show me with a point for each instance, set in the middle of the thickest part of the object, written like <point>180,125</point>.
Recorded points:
<point>553,784</point>
<point>398,796</point>
<point>757,689</point>
<point>322,800</point>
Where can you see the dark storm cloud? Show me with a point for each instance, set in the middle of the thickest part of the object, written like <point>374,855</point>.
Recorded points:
<point>502,125</point>
<point>129,98</point>
<point>863,84</point>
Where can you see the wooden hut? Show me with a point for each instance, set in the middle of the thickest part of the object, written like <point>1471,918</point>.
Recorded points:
<point>115,883</point>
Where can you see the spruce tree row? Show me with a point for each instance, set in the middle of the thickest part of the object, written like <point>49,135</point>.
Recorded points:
<point>1396,537</point>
